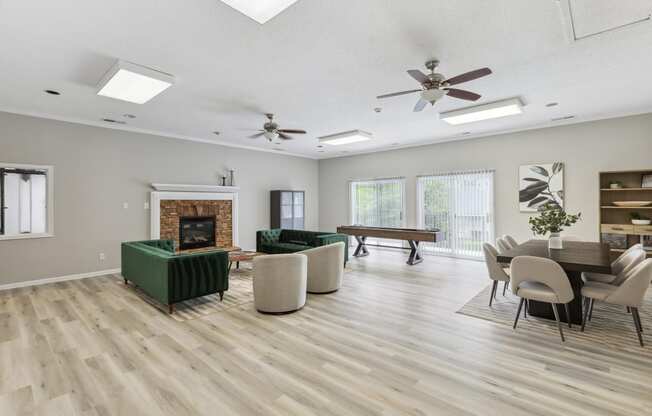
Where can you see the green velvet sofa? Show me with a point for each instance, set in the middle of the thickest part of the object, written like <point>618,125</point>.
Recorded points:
<point>170,278</point>
<point>279,241</point>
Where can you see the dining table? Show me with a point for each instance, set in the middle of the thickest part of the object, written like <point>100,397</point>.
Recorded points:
<point>575,257</point>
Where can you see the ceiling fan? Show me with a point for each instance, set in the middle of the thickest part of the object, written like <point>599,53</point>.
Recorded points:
<point>271,131</point>
<point>435,86</point>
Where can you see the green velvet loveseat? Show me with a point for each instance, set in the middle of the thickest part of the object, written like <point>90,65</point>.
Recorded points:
<point>170,278</point>
<point>279,241</point>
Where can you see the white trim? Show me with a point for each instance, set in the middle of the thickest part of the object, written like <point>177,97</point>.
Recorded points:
<point>157,197</point>
<point>25,236</point>
<point>38,282</point>
<point>194,188</point>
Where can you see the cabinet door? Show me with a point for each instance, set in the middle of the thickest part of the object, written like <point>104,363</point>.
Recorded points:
<point>298,211</point>
<point>286,210</point>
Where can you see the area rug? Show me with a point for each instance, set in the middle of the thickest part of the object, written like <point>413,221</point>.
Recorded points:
<point>240,293</point>
<point>610,327</point>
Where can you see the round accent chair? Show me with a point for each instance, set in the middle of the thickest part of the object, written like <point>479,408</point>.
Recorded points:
<point>280,283</point>
<point>325,268</point>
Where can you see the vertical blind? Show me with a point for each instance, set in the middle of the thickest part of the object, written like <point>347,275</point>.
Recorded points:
<point>462,206</point>
<point>378,203</point>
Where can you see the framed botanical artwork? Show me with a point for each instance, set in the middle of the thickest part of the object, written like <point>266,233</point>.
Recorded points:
<point>541,184</point>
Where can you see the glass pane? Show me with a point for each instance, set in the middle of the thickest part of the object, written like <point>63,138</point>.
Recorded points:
<point>286,198</point>
<point>287,223</point>
<point>298,224</point>
<point>286,211</point>
<point>298,211</point>
<point>25,199</point>
<point>298,198</point>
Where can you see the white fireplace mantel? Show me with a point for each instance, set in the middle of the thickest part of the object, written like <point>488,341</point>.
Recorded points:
<point>192,192</point>
<point>167,187</point>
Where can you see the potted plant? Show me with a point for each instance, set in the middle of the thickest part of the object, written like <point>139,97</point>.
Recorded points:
<point>552,219</point>
<point>638,219</point>
<point>615,185</point>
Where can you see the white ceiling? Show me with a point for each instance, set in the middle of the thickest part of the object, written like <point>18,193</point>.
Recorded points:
<point>320,64</point>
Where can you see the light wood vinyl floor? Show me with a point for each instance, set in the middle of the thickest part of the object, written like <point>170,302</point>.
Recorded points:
<point>388,343</point>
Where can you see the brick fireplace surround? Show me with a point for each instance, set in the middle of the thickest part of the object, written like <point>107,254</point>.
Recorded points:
<point>172,210</point>
<point>171,202</point>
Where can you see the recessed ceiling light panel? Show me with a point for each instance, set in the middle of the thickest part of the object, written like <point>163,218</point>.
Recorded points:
<point>260,10</point>
<point>133,83</point>
<point>483,112</point>
<point>348,137</point>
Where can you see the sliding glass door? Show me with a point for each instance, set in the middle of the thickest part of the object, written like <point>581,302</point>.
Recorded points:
<point>378,203</point>
<point>462,206</point>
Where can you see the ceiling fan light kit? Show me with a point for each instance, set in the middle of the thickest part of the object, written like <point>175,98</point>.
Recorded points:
<point>347,137</point>
<point>489,111</point>
<point>271,131</point>
<point>134,83</point>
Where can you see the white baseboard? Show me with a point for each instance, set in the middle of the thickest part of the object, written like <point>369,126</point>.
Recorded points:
<point>58,279</point>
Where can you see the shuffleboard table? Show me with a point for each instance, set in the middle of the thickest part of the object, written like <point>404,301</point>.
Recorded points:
<point>411,235</point>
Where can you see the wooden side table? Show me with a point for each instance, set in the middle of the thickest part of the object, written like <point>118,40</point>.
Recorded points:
<point>238,256</point>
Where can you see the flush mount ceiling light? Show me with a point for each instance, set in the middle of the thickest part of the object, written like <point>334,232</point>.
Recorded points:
<point>133,83</point>
<point>260,10</point>
<point>348,137</point>
<point>483,112</point>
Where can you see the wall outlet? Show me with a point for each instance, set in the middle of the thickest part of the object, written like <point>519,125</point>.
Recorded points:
<point>102,256</point>
<point>146,205</point>
<point>125,205</point>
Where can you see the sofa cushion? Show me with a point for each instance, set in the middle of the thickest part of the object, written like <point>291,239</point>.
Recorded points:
<point>278,248</point>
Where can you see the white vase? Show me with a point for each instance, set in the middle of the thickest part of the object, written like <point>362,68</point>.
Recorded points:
<point>555,242</point>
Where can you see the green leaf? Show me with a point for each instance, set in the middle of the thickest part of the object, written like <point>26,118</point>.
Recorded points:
<point>541,171</point>
<point>557,167</point>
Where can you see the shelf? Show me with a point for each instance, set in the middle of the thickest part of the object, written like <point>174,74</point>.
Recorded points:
<point>613,207</point>
<point>625,189</point>
<point>622,250</point>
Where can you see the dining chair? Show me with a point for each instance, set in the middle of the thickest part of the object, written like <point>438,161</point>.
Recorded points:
<point>497,272</point>
<point>510,240</point>
<point>630,293</point>
<point>542,280</point>
<point>502,245</point>
<point>625,262</point>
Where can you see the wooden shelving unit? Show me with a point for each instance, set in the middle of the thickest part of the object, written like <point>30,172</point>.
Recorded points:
<point>615,222</point>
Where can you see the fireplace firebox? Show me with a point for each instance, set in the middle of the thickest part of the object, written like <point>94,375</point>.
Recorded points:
<point>196,232</point>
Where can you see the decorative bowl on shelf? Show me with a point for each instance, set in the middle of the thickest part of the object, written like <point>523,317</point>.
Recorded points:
<point>632,203</point>
<point>641,222</point>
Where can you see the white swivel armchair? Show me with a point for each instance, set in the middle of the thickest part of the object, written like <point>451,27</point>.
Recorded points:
<point>325,268</point>
<point>280,282</point>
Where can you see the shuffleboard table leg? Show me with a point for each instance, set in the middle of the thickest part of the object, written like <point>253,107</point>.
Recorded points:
<point>361,250</point>
<point>415,253</point>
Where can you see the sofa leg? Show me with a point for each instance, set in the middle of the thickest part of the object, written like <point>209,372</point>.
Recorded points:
<point>221,295</point>
<point>126,281</point>
<point>171,308</point>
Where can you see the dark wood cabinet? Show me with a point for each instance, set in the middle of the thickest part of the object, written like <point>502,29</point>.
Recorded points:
<point>287,209</point>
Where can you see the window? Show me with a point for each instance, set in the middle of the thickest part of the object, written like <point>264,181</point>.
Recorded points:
<point>25,201</point>
<point>462,206</point>
<point>378,203</point>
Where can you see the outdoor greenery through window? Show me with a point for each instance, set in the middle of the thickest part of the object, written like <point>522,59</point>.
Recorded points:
<point>462,206</point>
<point>378,203</point>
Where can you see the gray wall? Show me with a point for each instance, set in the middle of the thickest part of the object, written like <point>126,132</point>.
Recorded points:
<point>586,149</point>
<point>97,169</point>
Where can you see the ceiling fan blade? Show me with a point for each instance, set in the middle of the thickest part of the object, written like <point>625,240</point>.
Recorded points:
<point>463,94</point>
<point>293,131</point>
<point>419,76</point>
<point>469,76</point>
<point>421,104</point>
<point>395,94</point>
<point>284,136</point>
<point>257,135</point>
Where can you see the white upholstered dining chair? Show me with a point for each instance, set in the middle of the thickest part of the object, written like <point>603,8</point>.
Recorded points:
<point>502,245</point>
<point>625,262</point>
<point>497,272</point>
<point>630,293</point>
<point>543,280</point>
<point>510,240</point>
